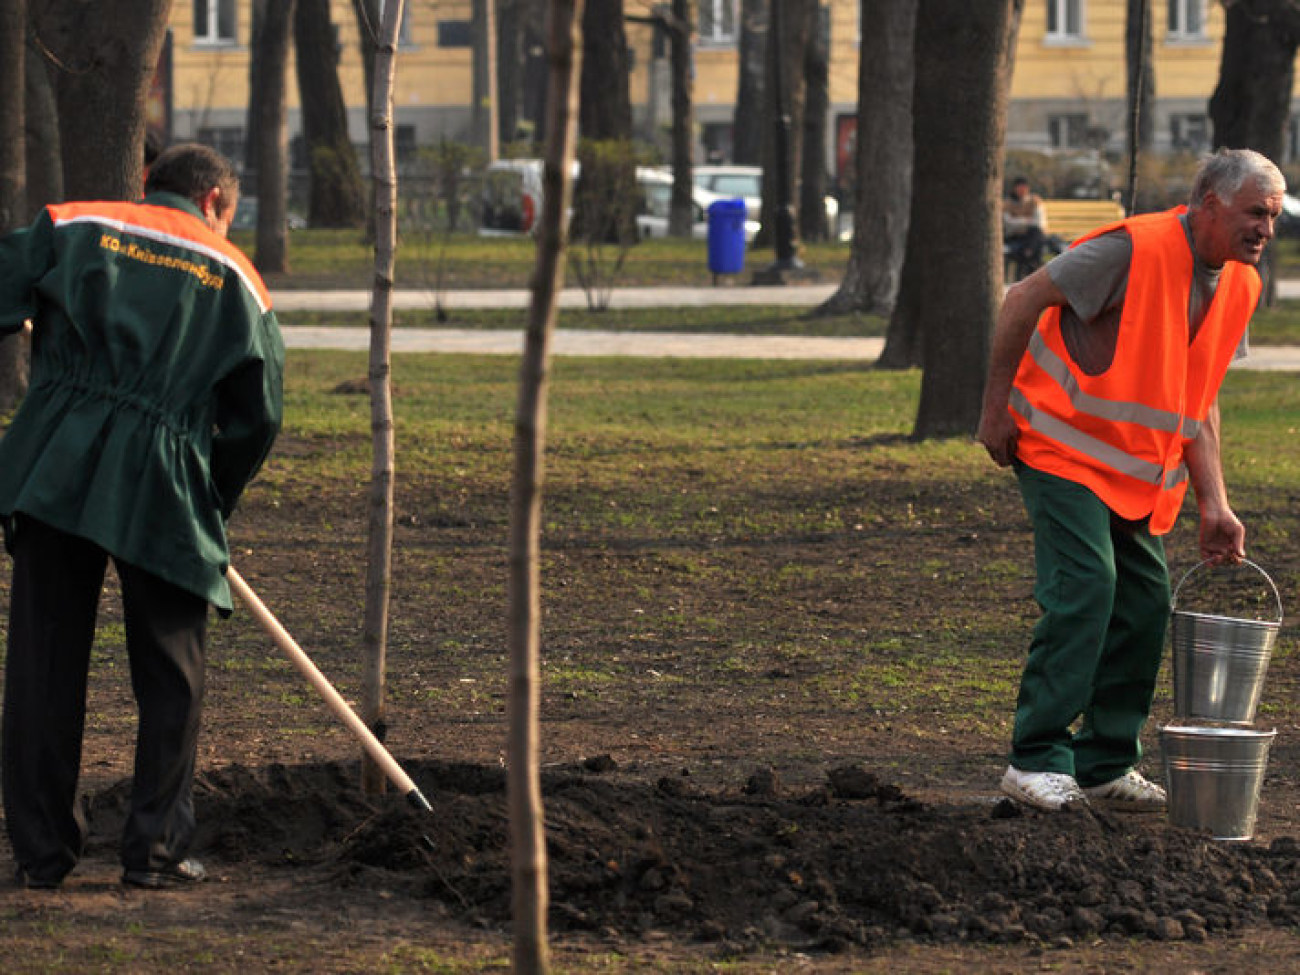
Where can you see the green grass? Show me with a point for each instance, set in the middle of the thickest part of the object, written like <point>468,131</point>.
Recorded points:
<point>712,319</point>
<point>344,259</point>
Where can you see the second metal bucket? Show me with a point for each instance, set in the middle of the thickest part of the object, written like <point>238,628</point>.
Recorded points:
<point>1214,777</point>
<point>1220,661</point>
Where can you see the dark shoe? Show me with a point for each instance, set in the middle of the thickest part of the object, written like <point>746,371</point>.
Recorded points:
<point>23,879</point>
<point>183,874</point>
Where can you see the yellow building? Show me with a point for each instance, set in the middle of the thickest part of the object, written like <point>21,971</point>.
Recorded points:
<point>1068,89</point>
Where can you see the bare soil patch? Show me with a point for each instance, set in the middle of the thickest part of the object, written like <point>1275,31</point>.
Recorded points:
<point>713,790</point>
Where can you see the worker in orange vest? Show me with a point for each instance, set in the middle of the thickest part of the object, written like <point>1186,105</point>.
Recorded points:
<point>1102,394</point>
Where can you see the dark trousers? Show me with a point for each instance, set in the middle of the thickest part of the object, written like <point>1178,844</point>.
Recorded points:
<point>1104,590</point>
<point>57,582</point>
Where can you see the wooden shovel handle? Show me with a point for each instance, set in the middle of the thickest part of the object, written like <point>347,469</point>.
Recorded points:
<point>374,748</point>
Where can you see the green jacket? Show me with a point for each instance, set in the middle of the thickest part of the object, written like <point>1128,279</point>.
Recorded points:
<point>156,383</point>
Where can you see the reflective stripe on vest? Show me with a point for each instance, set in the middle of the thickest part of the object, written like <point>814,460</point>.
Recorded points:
<point>1098,450</point>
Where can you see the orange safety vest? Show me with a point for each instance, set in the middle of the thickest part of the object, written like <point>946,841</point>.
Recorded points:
<point>1121,434</point>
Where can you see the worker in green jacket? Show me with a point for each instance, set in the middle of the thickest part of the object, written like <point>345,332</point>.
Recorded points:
<point>155,395</point>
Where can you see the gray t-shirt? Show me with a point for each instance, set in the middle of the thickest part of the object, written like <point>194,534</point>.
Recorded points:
<point>1094,279</point>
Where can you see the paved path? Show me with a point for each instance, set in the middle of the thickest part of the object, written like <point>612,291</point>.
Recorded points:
<point>573,342</point>
<point>802,295</point>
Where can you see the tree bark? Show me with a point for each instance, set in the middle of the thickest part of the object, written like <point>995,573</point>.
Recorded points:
<point>883,151</point>
<point>367,14</point>
<point>960,111</point>
<point>1250,104</point>
<point>604,119</point>
<point>13,178</point>
<point>523,779</point>
<point>784,107</point>
<point>817,103</point>
<point>273,22</point>
<point>103,57</point>
<point>746,137</point>
<point>682,213</point>
<point>44,154</point>
<point>379,548</point>
<point>336,197</point>
<point>605,111</point>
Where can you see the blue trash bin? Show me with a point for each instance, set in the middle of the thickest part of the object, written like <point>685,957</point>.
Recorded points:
<point>727,236</point>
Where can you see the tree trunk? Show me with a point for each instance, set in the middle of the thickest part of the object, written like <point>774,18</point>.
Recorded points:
<point>784,110</point>
<point>605,122</point>
<point>523,779</point>
<point>1256,74</point>
<point>746,137</point>
<point>960,110</point>
<point>882,151</point>
<point>605,111</point>
<point>43,150</point>
<point>510,67</point>
<point>682,213</point>
<point>273,21</point>
<point>104,56</point>
<point>13,189</point>
<point>367,14</point>
<point>379,549</point>
<point>1250,105</point>
<point>537,72</point>
<point>817,103</point>
<point>1140,93</point>
<point>336,197</point>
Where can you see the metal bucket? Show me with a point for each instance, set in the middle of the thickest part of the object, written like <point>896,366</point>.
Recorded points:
<point>1213,776</point>
<point>1220,661</point>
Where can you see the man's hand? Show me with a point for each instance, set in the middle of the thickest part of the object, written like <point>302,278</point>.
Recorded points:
<point>998,433</point>
<point>1223,537</point>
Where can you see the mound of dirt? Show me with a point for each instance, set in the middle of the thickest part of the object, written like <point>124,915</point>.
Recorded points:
<point>853,862</point>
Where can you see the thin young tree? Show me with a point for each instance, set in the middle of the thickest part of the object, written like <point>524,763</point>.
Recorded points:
<point>379,554</point>
<point>523,779</point>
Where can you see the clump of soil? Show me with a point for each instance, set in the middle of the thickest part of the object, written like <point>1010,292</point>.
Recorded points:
<point>853,862</point>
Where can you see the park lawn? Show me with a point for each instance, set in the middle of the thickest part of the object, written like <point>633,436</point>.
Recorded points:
<point>745,565</point>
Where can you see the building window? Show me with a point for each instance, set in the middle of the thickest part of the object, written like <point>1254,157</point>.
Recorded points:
<point>1068,131</point>
<point>717,22</point>
<point>1187,20</point>
<point>404,144</point>
<point>227,140</point>
<point>1189,132</point>
<point>455,33</point>
<point>214,22</point>
<point>1065,20</point>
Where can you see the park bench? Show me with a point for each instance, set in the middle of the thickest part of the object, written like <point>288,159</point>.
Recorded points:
<point>1071,219</point>
<point>1068,220</point>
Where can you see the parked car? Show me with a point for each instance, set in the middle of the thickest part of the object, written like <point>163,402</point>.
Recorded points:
<point>657,187</point>
<point>1288,223</point>
<point>747,182</point>
<point>246,216</point>
<point>512,200</point>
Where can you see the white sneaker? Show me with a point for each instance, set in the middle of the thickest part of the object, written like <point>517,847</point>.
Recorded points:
<point>1049,791</point>
<point>1131,790</point>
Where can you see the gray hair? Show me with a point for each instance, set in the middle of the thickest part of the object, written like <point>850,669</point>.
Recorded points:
<point>1225,172</point>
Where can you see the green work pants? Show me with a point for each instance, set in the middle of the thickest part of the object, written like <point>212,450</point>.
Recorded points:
<point>1103,587</point>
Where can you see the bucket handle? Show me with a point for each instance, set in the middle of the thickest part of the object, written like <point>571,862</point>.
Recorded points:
<point>1269,579</point>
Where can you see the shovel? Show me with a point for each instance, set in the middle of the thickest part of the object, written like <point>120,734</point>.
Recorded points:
<point>333,698</point>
